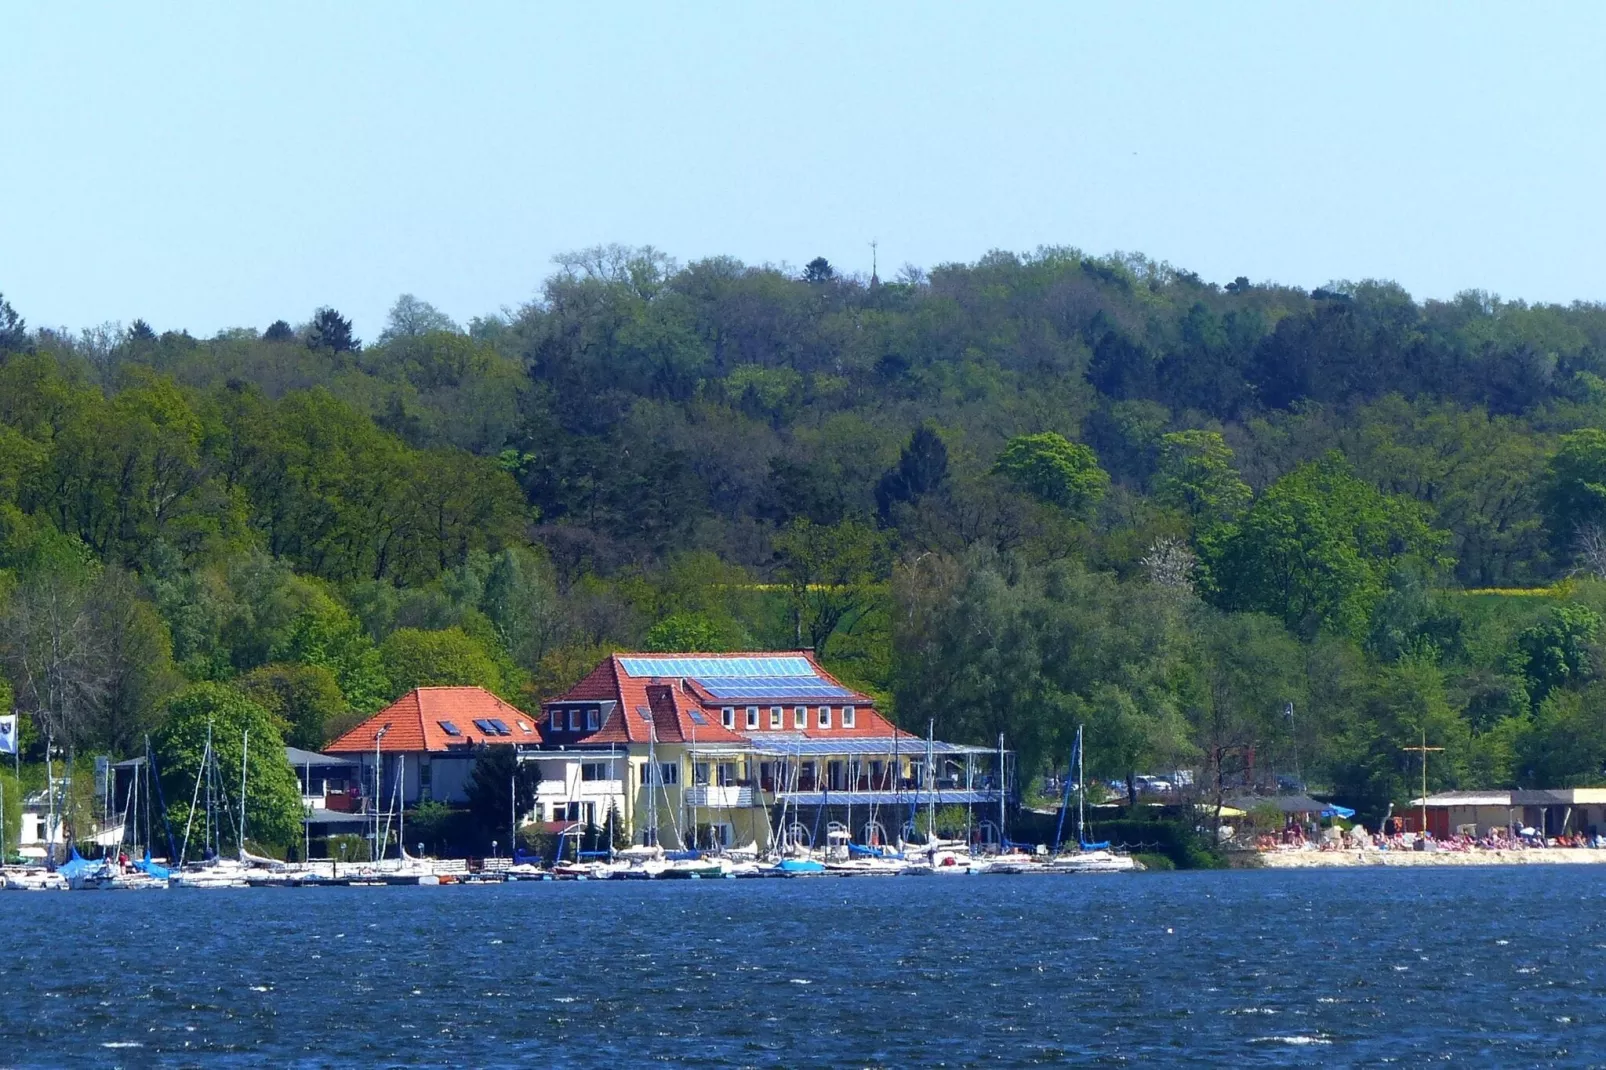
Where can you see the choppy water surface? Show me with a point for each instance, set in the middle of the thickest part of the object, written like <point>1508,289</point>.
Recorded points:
<point>1504,966</point>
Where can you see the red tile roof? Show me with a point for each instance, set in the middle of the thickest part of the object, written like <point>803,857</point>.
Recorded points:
<point>670,701</point>
<point>415,722</point>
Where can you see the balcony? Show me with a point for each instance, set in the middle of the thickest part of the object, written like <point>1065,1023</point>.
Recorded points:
<point>720,798</point>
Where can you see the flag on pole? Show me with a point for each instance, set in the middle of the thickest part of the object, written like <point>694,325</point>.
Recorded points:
<point>8,734</point>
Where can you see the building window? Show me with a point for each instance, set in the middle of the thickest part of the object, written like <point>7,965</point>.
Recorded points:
<point>594,771</point>
<point>556,721</point>
<point>825,717</point>
<point>727,716</point>
<point>752,717</point>
<point>594,719</point>
<point>668,774</point>
<point>699,773</point>
<point>775,717</point>
<point>847,716</point>
<point>800,718</point>
<point>574,720</point>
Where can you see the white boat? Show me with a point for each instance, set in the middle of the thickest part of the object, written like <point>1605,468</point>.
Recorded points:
<point>32,880</point>
<point>1093,860</point>
<point>1088,857</point>
<point>219,873</point>
<point>945,860</point>
<point>108,879</point>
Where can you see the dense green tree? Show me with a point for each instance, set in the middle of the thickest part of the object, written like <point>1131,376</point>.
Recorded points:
<point>236,725</point>
<point>1574,489</point>
<point>331,638</point>
<point>332,331</point>
<point>922,468</point>
<point>1558,650</point>
<point>1054,470</point>
<point>1196,475</point>
<point>1317,548</point>
<point>13,329</point>
<point>304,699</point>
<point>833,576</point>
<point>447,658</point>
<point>498,786</point>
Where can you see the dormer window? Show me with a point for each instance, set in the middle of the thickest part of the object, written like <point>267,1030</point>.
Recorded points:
<point>594,720</point>
<point>752,718</point>
<point>847,716</point>
<point>800,718</point>
<point>727,716</point>
<point>775,717</point>
<point>574,720</point>
<point>825,717</point>
<point>555,721</point>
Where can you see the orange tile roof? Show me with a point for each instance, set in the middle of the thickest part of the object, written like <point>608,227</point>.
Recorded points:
<point>415,723</point>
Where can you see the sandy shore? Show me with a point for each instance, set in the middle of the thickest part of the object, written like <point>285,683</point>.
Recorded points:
<point>1328,859</point>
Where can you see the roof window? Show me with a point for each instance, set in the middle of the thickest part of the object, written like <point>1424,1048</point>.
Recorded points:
<point>449,728</point>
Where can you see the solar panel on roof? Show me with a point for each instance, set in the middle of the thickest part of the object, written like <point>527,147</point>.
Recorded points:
<point>718,668</point>
<point>777,687</point>
<point>449,728</point>
<point>500,725</point>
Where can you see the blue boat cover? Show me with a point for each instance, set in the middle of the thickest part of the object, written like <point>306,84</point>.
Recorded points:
<point>77,865</point>
<point>800,865</point>
<point>873,852</point>
<point>156,870</point>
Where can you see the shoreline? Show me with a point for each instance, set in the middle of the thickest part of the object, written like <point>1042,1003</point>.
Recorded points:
<point>1573,856</point>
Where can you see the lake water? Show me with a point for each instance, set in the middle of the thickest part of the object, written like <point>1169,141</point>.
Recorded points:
<point>1353,967</point>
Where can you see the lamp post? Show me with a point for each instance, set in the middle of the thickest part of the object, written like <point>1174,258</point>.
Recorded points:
<point>493,850</point>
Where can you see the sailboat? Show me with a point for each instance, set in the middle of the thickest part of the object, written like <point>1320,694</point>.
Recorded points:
<point>1088,857</point>
<point>213,871</point>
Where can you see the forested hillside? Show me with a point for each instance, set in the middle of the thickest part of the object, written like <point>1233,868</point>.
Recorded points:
<point>1219,524</point>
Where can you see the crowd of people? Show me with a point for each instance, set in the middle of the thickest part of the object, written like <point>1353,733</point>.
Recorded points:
<point>1297,835</point>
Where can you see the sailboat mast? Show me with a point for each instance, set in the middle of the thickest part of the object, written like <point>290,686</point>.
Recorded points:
<point>1081,790</point>
<point>1002,838</point>
<point>211,788</point>
<point>654,778</point>
<point>245,752</point>
<point>931,790</point>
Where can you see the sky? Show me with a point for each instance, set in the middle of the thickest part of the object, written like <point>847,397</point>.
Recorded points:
<point>210,166</point>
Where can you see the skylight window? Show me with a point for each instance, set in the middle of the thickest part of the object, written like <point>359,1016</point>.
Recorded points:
<point>485,727</point>
<point>500,725</point>
<point>524,726</point>
<point>449,728</point>
<point>697,717</point>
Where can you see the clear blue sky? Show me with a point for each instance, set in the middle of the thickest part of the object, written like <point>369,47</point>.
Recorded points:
<point>207,166</point>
